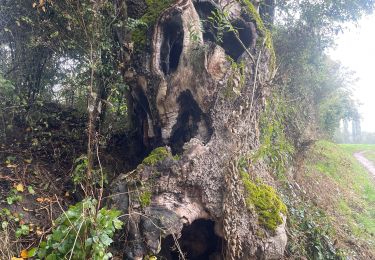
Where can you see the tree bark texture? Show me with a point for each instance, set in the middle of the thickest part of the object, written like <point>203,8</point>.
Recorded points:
<point>190,99</point>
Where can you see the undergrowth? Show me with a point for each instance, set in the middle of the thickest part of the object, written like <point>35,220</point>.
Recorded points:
<point>310,232</point>
<point>81,232</point>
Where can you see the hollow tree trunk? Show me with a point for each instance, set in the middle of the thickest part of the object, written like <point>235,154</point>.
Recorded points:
<point>199,99</point>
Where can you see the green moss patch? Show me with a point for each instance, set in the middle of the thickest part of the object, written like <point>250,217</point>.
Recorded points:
<point>263,31</point>
<point>252,11</point>
<point>266,202</point>
<point>154,10</point>
<point>145,198</point>
<point>157,155</point>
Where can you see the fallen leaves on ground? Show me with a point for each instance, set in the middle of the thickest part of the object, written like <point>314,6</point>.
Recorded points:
<point>19,187</point>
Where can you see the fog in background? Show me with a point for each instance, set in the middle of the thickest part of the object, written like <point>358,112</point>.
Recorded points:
<point>356,51</point>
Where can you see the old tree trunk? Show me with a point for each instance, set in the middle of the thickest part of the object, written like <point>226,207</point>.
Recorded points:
<point>197,90</point>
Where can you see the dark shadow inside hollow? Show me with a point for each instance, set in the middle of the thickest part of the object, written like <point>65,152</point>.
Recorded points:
<point>172,44</point>
<point>232,45</point>
<point>198,241</point>
<point>134,144</point>
<point>228,40</point>
<point>204,10</point>
<point>191,122</point>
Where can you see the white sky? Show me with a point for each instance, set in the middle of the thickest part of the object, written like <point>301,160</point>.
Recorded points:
<point>356,51</point>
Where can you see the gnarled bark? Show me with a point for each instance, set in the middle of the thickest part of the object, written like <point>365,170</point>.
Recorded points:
<point>189,98</point>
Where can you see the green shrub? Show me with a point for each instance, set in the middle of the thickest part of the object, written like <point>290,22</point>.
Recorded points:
<point>80,170</point>
<point>79,175</point>
<point>82,232</point>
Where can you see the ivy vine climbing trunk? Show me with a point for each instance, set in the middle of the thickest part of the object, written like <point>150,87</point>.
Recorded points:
<point>199,78</point>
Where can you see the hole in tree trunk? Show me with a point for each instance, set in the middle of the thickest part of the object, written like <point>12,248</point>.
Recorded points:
<point>198,241</point>
<point>229,41</point>
<point>191,122</point>
<point>231,45</point>
<point>204,10</point>
<point>172,44</point>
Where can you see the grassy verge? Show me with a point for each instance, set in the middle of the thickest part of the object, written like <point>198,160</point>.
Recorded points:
<point>341,193</point>
<point>353,179</point>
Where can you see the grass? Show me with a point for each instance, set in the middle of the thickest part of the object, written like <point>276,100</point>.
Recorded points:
<point>338,163</point>
<point>370,155</point>
<point>368,149</point>
<point>336,183</point>
<point>352,148</point>
<point>362,179</point>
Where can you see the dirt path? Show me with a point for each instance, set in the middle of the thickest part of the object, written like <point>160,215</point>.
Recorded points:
<point>365,162</point>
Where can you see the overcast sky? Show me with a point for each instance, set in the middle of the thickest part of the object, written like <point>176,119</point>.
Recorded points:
<point>356,51</point>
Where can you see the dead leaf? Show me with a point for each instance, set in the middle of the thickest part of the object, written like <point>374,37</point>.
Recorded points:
<point>28,161</point>
<point>34,5</point>
<point>40,200</point>
<point>24,254</point>
<point>19,187</point>
<point>10,165</point>
<point>16,258</point>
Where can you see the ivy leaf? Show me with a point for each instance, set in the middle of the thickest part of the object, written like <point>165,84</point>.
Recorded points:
<point>117,223</point>
<point>105,239</point>
<point>51,257</point>
<point>32,252</point>
<point>31,190</point>
<point>4,224</point>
